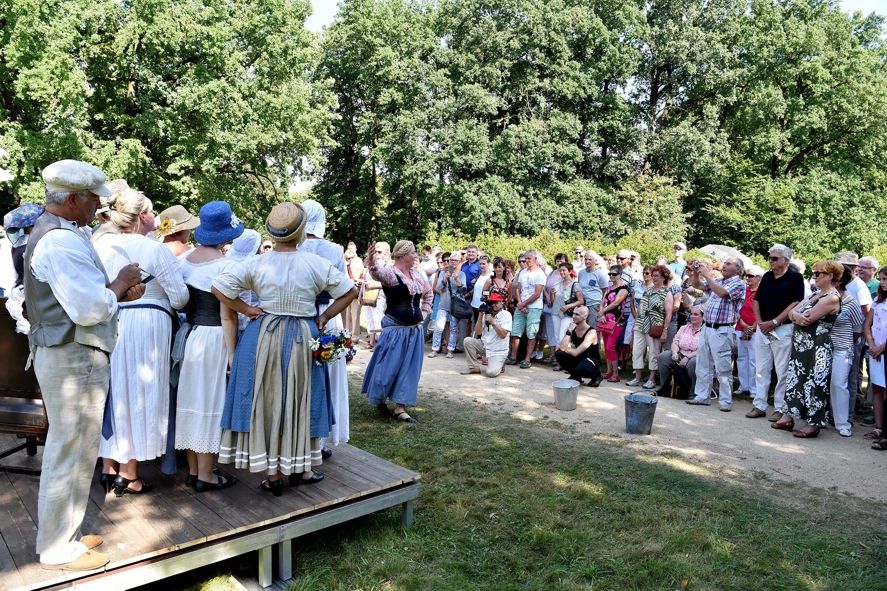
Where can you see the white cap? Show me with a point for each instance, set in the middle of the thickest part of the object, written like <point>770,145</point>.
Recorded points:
<point>316,224</point>
<point>75,176</point>
<point>245,245</point>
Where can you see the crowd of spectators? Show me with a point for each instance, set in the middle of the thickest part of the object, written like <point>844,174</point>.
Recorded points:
<point>796,347</point>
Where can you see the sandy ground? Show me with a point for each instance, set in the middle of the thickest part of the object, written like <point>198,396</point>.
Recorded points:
<point>699,439</point>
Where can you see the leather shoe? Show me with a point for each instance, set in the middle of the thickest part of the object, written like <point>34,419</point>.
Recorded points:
<point>784,424</point>
<point>755,413</point>
<point>297,480</point>
<point>89,560</point>
<point>810,434</point>
<point>775,416</point>
<point>91,541</point>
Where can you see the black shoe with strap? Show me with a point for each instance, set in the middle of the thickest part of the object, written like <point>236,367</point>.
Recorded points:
<point>121,486</point>
<point>220,483</point>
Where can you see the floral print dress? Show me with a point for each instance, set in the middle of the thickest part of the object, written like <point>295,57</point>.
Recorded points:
<point>810,367</point>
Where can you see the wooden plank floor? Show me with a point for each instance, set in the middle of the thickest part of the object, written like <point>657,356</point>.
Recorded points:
<point>173,517</point>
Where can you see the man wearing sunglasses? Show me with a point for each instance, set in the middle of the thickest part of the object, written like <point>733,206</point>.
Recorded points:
<point>780,290</point>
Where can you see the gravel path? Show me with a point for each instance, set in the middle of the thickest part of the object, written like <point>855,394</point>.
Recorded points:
<point>698,439</point>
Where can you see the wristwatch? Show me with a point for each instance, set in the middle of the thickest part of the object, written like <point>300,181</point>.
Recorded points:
<point>775,322</point>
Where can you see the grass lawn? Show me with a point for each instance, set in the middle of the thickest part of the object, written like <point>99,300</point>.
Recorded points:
<point>513,505</point>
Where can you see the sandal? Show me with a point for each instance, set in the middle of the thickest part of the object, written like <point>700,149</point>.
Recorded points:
<point>404,417</point>
<point>524,364</point>
<point>873,434</point>
<point>220,483</point>
<point>880,445</point>
<point>383,409</point>
<point>275,487</point>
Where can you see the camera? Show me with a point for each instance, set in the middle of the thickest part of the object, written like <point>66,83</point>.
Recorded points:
<point>485,308</point>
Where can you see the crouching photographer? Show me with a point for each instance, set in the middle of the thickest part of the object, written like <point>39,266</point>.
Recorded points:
<point>494,326</point>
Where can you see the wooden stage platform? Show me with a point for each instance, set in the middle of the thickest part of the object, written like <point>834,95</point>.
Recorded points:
<point>173,529</point>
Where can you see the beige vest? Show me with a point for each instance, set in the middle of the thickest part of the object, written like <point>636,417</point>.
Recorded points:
<point>50,324</point>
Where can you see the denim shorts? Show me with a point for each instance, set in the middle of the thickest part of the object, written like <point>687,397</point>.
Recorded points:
<point>528,323</point>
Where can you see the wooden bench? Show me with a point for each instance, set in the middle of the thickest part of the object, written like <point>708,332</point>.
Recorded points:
<point>21,403</point>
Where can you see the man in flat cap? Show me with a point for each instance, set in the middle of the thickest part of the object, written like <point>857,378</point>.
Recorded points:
<point>72,307</point>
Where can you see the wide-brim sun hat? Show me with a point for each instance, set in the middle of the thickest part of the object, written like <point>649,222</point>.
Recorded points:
<point>23,216</point>
<point>218,224</point>
<point>286,222</point>
<point>316,224</point>
<point>175,219</point>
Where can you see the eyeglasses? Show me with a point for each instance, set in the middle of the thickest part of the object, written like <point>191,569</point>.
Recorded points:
<point>749,276</point>
<point>522,261</point>
<point>818,273</point>
<point>774,259</point>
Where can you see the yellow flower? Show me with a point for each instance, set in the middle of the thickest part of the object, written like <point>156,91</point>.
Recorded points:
<point>165,227</point>
<point>326,355</point>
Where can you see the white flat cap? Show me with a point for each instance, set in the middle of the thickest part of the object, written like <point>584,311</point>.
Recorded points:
<point>75,176</point>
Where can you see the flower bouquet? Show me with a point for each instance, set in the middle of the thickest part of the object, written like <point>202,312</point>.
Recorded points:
<point>331,346</point>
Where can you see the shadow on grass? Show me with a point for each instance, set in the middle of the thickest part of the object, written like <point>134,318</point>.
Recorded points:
<point>510,505</point>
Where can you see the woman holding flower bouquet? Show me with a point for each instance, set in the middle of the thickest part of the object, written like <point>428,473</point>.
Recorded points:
<point>315,228</point>
<point>277,406</point>
<point>393,371</point>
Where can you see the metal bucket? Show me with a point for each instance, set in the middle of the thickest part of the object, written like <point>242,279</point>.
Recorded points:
<point>565,393</point>
<point>640,408</point>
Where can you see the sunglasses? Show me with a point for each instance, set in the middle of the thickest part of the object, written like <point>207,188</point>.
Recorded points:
<point>818,273</point>
<point>522,260</point>
<point>749,276</point>
<point>773,259</point>
<point>613,274</point>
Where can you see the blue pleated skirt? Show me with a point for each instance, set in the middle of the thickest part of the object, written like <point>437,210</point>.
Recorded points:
<point>396,365</point>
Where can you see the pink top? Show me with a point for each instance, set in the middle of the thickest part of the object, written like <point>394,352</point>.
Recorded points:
<point>415,282</point>
<point>687,339</point>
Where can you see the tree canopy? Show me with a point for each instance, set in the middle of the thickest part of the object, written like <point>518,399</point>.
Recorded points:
<point>738,121</point>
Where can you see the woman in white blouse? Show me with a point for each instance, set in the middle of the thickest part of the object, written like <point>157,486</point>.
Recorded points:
<point>136,417</point>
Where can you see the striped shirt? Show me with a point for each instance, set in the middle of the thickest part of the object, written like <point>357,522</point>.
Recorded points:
<point>849,321</point>
<point>720,310</point>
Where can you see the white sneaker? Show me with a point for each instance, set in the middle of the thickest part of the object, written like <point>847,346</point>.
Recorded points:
<point>537,355</point>
<point>649,385</point>
<point>633,382</point>
<point>844,432</point>
<point>449,354</point>
<point>432,354</point>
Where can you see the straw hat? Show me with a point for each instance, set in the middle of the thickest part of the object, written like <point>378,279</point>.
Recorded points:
<point>175,219</point>
<point>286,222</point>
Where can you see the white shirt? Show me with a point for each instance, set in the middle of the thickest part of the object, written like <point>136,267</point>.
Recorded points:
<point>528,280</point>
<point>65,261</point>
<point>7,270</point>
<point>493,344</point>
<point>479,290</point>
<point>286,283</point>
<point>167,289</point>
<point>860,292</point>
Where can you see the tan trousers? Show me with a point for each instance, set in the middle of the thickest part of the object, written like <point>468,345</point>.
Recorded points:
<point>474,348</point>
<point>74,381</point>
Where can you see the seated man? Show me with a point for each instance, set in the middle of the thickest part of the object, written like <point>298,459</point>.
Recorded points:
<point>494,328</point>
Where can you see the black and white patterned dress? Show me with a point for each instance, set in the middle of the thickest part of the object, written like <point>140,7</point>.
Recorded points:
<point>810,367</point>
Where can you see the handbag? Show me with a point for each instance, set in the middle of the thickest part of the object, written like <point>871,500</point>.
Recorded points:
<point>459,308</point>
<point>606,325</point>
<point>656,330</point>
<point>368,297</point>
<point>572,298</point>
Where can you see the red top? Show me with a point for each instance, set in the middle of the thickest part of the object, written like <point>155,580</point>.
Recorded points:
<point>747,312</point>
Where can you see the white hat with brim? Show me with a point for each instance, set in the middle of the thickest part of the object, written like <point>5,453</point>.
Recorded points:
<point>75,177</point>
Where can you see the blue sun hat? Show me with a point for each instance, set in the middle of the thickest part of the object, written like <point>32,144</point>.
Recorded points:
<point>23,216</point>
<point>218,224</point>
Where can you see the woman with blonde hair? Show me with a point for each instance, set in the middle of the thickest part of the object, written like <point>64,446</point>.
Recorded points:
<point>138,408</point>
<point>810,360</point>
<point>394,370</point>
<point>277,407</point>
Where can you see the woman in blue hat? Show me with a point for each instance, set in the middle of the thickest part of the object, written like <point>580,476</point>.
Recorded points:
<point>209,350</point>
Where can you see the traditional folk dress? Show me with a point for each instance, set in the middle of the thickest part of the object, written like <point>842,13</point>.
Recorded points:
<point>396,365</point>
<point>278,406</point>
<point>138,404</point>
<point>204,367</point>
